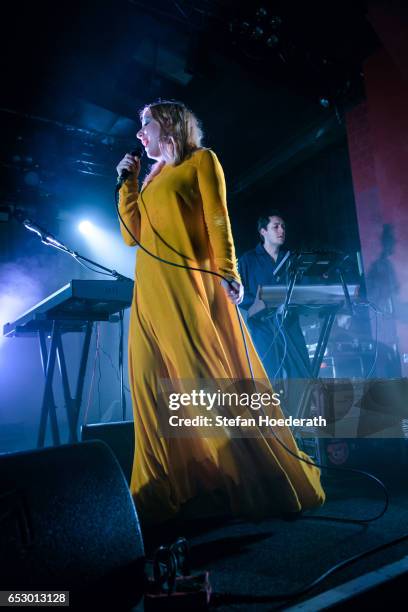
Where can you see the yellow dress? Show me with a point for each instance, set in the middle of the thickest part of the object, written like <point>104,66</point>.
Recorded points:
<point>182,326</point>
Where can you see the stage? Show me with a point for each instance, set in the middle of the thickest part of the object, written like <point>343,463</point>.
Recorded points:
<point>277,243</point>
<point>251,562</point>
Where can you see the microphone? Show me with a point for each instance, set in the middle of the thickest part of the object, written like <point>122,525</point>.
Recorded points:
<point>124,175</point>
<point>46,237</point>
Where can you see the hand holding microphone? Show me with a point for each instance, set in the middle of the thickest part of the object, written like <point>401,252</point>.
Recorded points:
<point>129,165</point>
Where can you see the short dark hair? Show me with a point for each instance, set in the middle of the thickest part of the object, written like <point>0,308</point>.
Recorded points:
<point>264,220</point>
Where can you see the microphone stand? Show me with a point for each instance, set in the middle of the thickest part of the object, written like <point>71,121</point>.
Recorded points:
<point>295,270</point>
<point>50,240</point>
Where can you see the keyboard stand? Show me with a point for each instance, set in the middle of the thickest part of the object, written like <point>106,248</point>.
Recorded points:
<point>299,265</point>
<point>73,308</point>
<point>325,330</point>
<point>302,263</point>
<point>293,350</point>
<point>72,403</point>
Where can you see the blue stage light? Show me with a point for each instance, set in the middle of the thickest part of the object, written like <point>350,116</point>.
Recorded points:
<point>87,228</point>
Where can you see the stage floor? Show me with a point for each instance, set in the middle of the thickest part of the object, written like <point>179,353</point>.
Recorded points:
<point>278,556</point>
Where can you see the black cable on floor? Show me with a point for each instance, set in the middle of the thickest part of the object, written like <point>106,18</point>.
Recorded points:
<point>219,599</point>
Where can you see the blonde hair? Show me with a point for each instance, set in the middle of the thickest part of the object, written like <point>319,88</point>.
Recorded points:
<point>180,133</point>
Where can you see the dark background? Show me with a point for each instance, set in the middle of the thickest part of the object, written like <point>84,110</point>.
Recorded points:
<point>76,73</point>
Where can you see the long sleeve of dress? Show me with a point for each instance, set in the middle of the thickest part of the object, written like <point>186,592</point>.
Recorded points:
<point>129,211</point>
<point>211,183</point>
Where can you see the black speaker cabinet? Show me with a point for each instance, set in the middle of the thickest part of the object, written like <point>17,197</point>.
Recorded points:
<point>119,436</point>
<point>68,522</point>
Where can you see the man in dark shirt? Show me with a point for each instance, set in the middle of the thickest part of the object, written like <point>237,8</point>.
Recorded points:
<point>281,347</point>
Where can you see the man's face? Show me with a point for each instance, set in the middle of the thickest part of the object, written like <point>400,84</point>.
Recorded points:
<point>274,234</point>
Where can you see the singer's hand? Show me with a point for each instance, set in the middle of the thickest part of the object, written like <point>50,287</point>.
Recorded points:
<point>234,291</point>
<point>129,163</point>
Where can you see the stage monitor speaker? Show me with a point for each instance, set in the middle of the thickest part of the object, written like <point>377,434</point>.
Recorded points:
<point>119,436</point>
<point>68,522</point>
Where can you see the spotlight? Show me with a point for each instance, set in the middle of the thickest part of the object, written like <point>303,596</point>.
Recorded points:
<point>86,228</point>
<point>240,27</point>
<point>320,132</point>
<point>324,102</point>
<point>107,245</point>
<point>272,41</point>
<point>275,22</point>
<point>261,12</point>
<point>257,33</point>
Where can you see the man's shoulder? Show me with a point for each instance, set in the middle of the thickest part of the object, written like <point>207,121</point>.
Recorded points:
<point>252,253</point>
<point>247,255</point>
